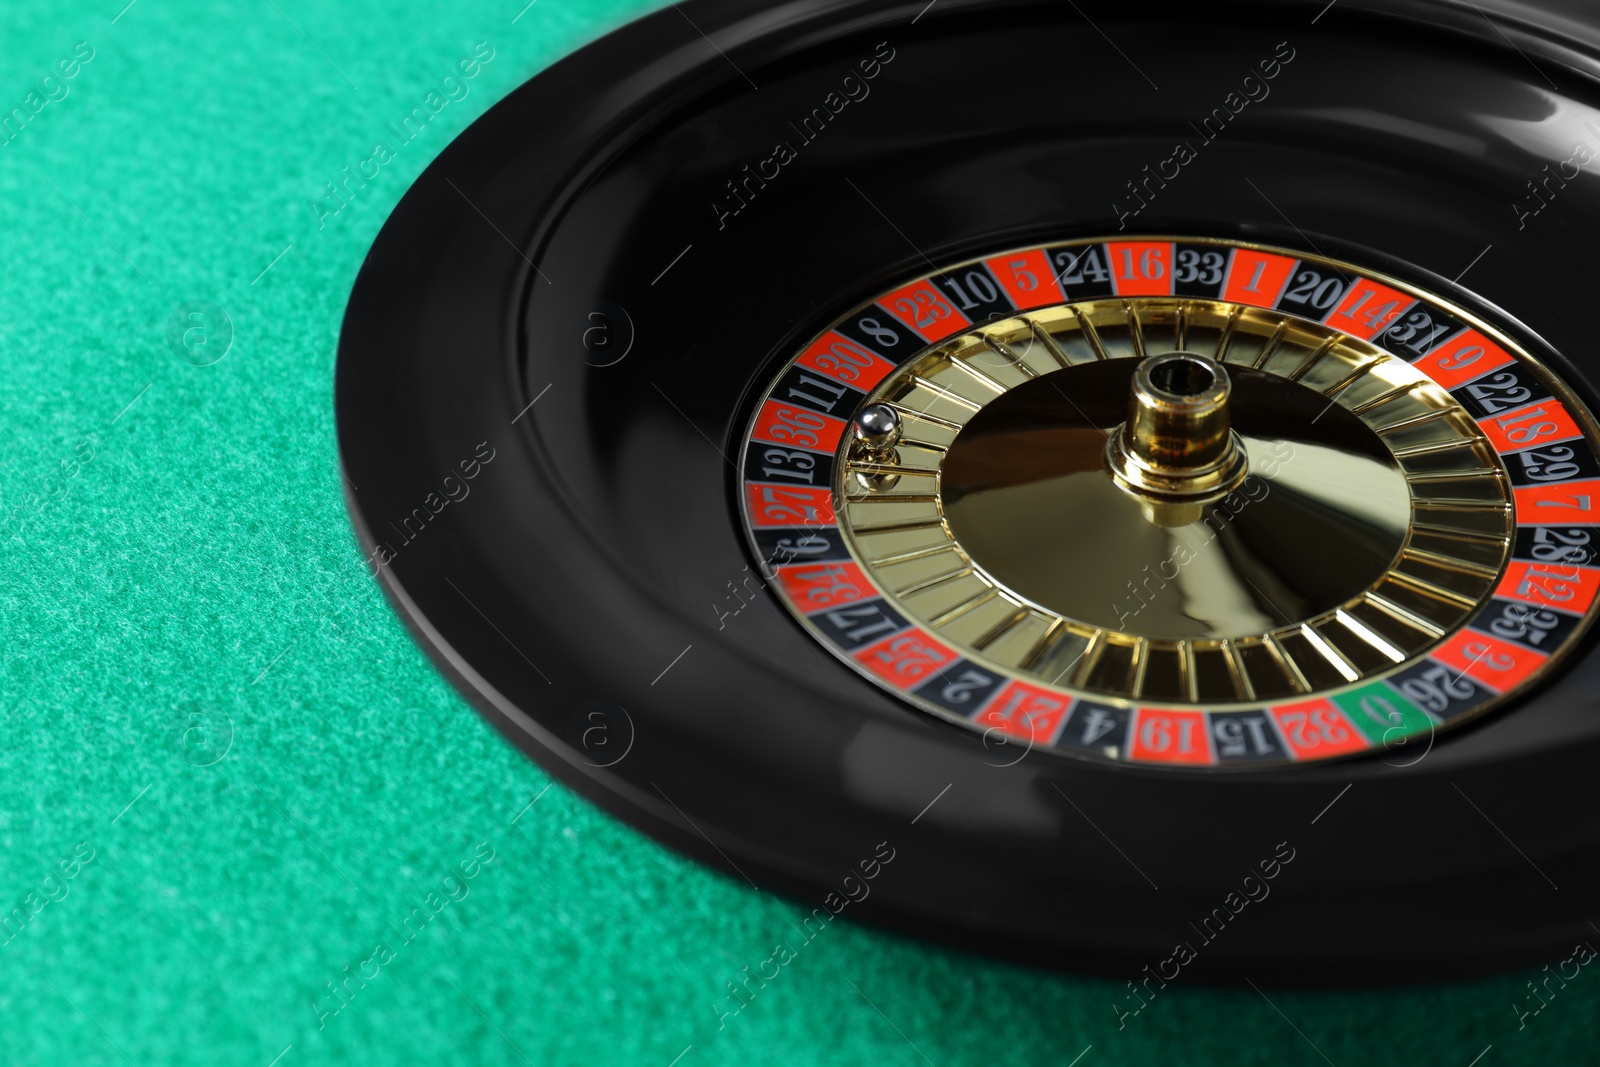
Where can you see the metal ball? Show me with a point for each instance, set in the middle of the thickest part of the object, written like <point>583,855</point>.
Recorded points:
<point>878,426</point>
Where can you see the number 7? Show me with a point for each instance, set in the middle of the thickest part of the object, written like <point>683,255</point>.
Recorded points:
<point>1582,505</point>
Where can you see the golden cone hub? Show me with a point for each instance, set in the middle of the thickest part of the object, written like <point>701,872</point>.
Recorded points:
<point>1177,451</point>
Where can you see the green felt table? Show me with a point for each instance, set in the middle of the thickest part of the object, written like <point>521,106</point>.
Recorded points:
<point>230,780</point>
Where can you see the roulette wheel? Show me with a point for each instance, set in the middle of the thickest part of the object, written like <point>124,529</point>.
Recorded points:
<point>1106,488</point>
<point>282,275</point>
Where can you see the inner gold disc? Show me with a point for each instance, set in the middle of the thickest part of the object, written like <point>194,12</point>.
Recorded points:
<point>1374,516</point>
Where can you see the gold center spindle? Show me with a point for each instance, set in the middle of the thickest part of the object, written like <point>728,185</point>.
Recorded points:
<point>1177,452</point>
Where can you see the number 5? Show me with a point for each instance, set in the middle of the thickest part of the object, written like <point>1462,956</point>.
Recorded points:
<point>1025,279</point>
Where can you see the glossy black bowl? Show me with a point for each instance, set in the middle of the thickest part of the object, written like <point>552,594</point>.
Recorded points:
<point>577,300</point>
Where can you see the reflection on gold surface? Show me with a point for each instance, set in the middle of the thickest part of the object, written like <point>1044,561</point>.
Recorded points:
<point>1028,499</point>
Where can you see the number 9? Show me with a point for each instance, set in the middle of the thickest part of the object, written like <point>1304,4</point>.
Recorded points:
<point>1465,358</point>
